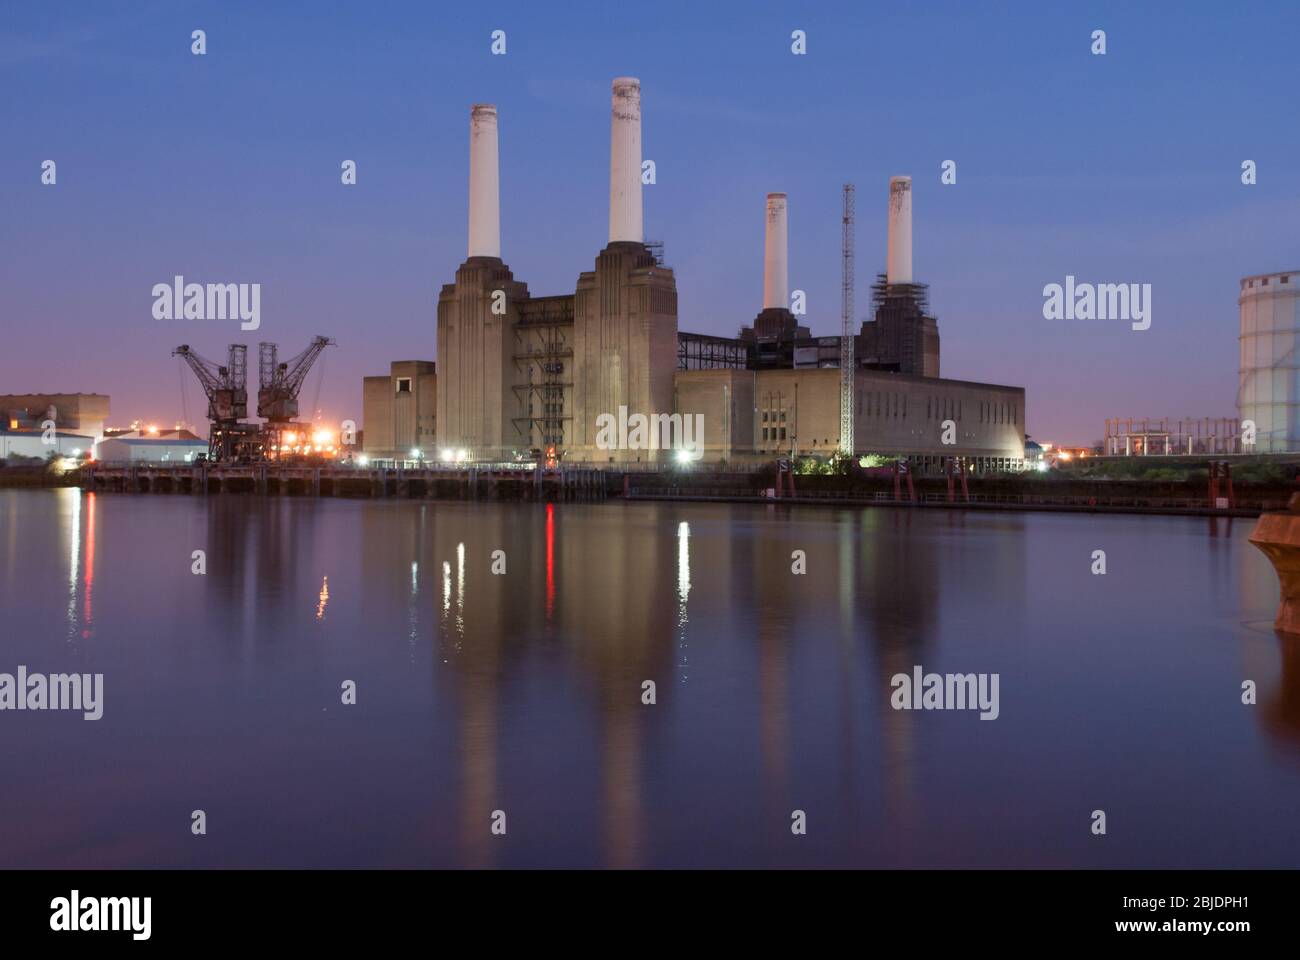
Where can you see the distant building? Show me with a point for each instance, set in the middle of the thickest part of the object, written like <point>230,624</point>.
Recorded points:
<point>149,449</point>
<point>796,412</point>
<point>81,413</point>
<point>31,444</point>
<point>151,434</point>
<point>399,412</point>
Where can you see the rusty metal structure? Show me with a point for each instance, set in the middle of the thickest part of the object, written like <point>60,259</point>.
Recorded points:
<point>226,387</point>
<point>543,360</point>
<point>702,351</point>
<point>230,437</point>
<point>277,397</point>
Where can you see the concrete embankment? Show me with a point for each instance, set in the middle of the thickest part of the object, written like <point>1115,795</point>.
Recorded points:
<point>1052,492</point>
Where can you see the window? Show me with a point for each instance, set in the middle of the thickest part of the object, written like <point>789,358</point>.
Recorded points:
<point>403,384</point>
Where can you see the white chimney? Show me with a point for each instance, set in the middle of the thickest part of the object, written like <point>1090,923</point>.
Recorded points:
<point>776,262</point>
<point>484,183</point>
<point>625,161</point>
<point>898,268</point>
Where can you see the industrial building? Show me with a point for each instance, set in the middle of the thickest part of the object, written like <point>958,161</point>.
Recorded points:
<point>520,373</point>
<point>174,449</point>
<point>79,413</point>
<point>31,444</point>
<point>400,412</point>
<point>1268,393</point>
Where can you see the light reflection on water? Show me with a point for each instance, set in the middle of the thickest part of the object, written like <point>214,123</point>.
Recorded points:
<point>522,692</point>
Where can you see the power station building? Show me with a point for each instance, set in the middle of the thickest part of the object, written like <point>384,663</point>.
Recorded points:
<point>400,412</point>
<point>1268,392</point>
<point>518,373</point>
<point>80,413</point>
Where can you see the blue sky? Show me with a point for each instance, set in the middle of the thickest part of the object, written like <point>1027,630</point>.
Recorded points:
<point>225,168</point>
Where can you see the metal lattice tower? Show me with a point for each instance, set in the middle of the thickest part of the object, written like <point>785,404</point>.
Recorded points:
<point>846,328</point>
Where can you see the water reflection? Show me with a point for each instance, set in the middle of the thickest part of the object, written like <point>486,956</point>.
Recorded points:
<point>526,692</point>
<point>1280,702</point>
<point>72,500</point>
<point>78,526</point>
<point>683,590</point>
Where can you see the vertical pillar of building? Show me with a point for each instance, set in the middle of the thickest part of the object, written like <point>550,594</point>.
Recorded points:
<point>476,403</point>
<point>625,162</point>
<point>625,310</point>
<point>898,267</point>
<point>484,183</point>
<point>776,264</point>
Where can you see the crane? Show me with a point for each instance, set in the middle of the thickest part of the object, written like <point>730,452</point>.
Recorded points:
<point>277,397</point>
<point>846,326</point>
<point>226,388</point>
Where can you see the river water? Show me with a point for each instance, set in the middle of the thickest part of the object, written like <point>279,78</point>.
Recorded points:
<point>516,698</point>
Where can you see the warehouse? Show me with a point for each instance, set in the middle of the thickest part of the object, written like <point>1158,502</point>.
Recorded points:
<point>33,445</point>
<point>150,450</point>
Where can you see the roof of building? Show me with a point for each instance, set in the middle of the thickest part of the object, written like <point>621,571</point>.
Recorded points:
<point>156,441</point>
<point>38,433</point>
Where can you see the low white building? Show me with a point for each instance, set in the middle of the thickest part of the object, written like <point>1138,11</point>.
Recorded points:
<point>151,450</point>
<point>31,443</point>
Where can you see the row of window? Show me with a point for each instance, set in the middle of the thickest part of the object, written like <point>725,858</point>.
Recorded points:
<point>882,404</point>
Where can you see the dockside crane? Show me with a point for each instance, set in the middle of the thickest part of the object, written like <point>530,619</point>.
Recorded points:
<point>277,397</point>
<point>226,387</point>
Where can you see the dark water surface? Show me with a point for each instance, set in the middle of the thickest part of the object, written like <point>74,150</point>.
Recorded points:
<point>522,692</point>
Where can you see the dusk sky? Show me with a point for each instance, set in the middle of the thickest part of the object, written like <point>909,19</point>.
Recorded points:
<point>1123,168</point>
